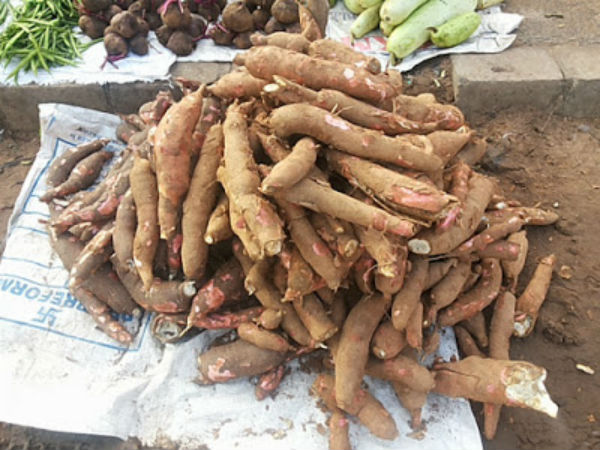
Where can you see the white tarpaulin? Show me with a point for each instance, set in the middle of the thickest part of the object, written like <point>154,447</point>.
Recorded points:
<point>495,34</point>
<point>58,372</point>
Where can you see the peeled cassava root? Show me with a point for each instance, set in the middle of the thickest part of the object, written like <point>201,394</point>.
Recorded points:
<point>328,211</point>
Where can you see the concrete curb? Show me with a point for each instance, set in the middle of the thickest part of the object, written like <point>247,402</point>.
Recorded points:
<point>564,79</point>
<point>19,104</point>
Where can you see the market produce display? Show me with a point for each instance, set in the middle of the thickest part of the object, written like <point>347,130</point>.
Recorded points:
<point>411,24</point>
<point>179,25</point>
<point>40,35</point>
<point>309,205</point>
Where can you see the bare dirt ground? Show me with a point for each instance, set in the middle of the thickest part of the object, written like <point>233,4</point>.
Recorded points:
<point>540,159</point>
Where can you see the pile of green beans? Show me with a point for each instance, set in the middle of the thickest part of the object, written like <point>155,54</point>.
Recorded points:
<point>3,10</point>
<point>41,36</point>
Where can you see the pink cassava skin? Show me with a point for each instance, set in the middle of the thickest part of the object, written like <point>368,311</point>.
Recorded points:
<point>67,248</point>
<point>363,405</point>
<point>62,166</point>
<point>217,321</point>
<point>237,359</point>
<point>172,153</point>
<point>269,382</point>
<point>513,268</point>
<point>338,431</point>
<point>100,204</point>
<point>409,150</point>
<point>476,299</point>
<point>226,285</point>
<point>397,191</point>
<point>481,189</point>
<point>267,61</point>
<point>81,177</point>
<point>353,349</point>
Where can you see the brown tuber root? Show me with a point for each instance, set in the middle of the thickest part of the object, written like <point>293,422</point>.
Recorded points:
<point>331,50</point>
<point>198,205</point>
<point>411,151</point>
<point>511,383</point>
<point>387,342</point>
<point>293,168</point>
<point>353,349</point>
<point>81,177</point>
<point>62,166</point>
<point>475,300</point>
<point>530,301</point>
<point>145,196</point>
<point>369,411</point>
<point>238,359</point>
<point>218,227</point>
<point>266,61</point>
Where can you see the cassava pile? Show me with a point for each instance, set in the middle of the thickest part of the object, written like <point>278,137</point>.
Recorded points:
<point>305,202</point>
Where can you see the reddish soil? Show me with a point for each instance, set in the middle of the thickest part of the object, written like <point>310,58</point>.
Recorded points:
<point>540,159</point>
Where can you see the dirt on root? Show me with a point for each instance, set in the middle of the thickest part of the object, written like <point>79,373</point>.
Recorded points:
<point>539,159</point>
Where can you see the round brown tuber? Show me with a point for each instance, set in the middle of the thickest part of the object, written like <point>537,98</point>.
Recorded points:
<point>137,9</point>
<point>92,27</point>
<point>125,24</point>
<point>221,36</point>
<point>237,18</point>
<point>112,11</point>
<point>143,27</point>
<point>197,26</point>
<point>163,33</point>
<point>285,11</point>
<point>260,17</point>
<point>124,4</point>
<point>221,4</point>
<point>242,40</point>
<point>209,12</point>
<point>181,43</point>
<point>139,45</point>
<point>273,26</point>
<point>115,45</point>
<point>96,5</point>
<point>153,20</point>
<point>174,18</point>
